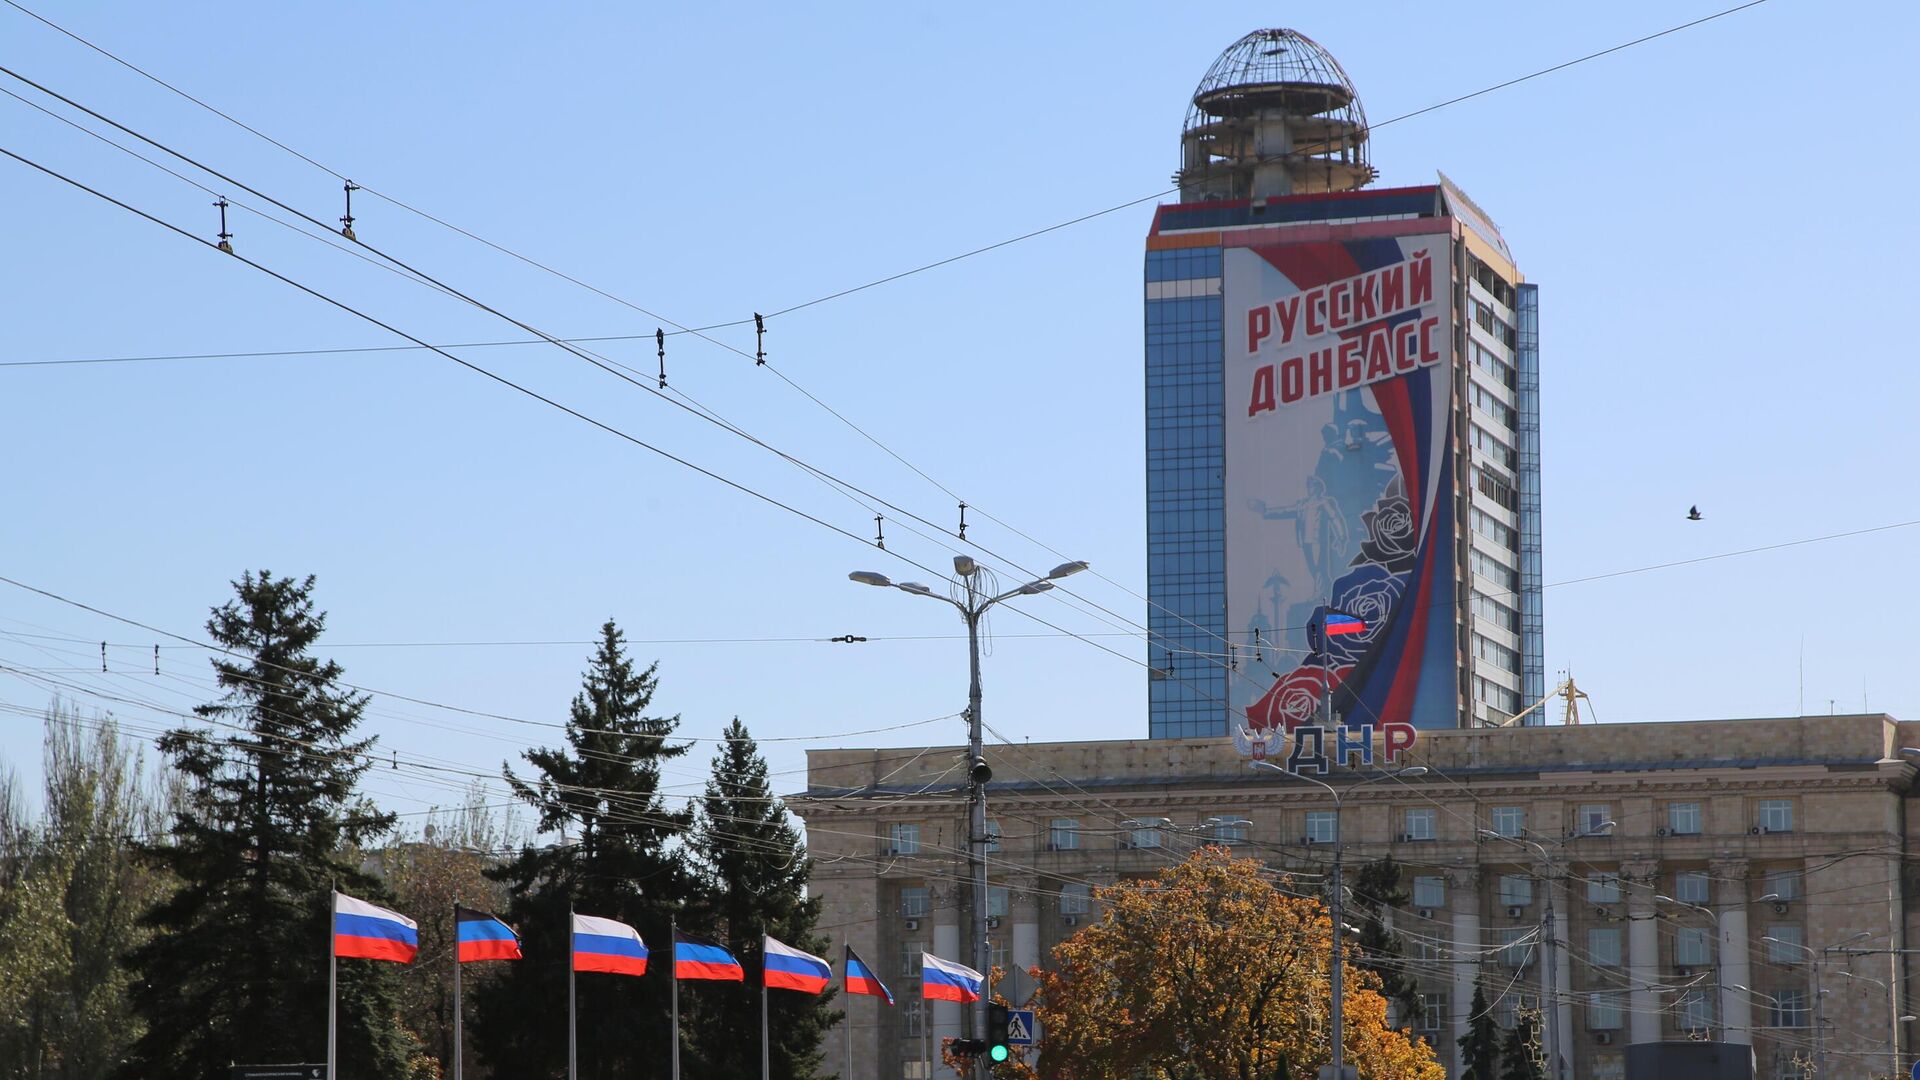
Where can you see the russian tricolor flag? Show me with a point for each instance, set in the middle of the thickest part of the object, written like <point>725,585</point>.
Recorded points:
<point>482,936</point>
<point>369,932</point>
<point>787,968</point>
<point>605,945</point>
<point>1339,622</point>
<point>860,978</point>
<point>694,958</point>
<point>944,980</point>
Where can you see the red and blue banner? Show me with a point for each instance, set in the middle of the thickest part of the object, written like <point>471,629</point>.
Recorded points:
<point>480,935</point>
<point>944,980</point>
<point>609,946</point>
<point>370,932</point>
<point>697,958</point>
<point>787,968</point>
<point>860,979</point>
<point>1340,486</point>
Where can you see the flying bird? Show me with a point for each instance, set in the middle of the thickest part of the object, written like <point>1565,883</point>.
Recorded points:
<point>1693,513</point>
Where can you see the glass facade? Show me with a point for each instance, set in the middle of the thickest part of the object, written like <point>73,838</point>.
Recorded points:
<point>1186,467</point>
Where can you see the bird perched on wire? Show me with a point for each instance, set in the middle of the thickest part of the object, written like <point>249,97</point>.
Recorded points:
<point>1693,513</point>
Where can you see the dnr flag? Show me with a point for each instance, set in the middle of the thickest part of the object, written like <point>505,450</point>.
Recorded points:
<point>363,930</point>
<point>482,936</point>
<point>860,978</point>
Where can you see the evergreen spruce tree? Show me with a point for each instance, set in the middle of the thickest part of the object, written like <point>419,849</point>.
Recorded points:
<point>1375,888</point>
<point>618,857</point>
<point>236,971</point>
<point>1480,1046</point>
<point>755,867</point>
<point>1520,1052</point>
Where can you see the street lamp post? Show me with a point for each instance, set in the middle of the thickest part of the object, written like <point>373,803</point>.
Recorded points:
<point>971,610</point>
<point>1815,957</point>
<point>1338,969</point>
<point>1719,973</point>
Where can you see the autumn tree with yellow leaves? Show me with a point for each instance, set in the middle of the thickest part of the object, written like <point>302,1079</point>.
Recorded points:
<point>1210,971</point>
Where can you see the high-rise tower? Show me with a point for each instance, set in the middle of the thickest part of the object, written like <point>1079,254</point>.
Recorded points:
<point>1342,414</point>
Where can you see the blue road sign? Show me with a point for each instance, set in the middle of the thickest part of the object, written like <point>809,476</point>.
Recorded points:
<point>1020,1029</point>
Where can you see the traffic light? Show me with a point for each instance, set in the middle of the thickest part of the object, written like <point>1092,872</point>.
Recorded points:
<point>996,1043</point>
<point>967,1048</point>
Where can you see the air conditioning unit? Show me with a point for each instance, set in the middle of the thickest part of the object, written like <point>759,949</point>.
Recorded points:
<point>1307,840</point>
<point>1426,912</point>
<point>1603,1038</point>
<point>1515,911</point>
<point>1601,912</point>
<point>993,922</point>
<point>913,924</point>
<point>1663,832</point>
<point>1780,908</point>
<point>1682,972</point>
<point>1755,831</point>
<point>1070,920</point>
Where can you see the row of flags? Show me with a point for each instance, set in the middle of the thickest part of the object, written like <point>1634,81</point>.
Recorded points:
<point>370,932</point>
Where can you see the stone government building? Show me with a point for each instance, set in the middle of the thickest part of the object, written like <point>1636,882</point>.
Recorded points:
<point>1736,879</point>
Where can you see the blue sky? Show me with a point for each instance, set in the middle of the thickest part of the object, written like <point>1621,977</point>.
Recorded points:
<point>1713,218</point>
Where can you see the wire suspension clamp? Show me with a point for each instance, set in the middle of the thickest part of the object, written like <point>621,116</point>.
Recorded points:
<point>880,531</point>
<point>963,521</point>
<point>660,345</point>
<point>346,223</point>
<point>759,340</point>
<point>226,238</point>
<point>103,656</point>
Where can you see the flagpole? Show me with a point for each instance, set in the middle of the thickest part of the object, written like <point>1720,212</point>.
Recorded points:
<point>333,968</point>
<point>673,974</point>
<point>456,990</point>
<point>846,1026</point>
<point>573,1025</point>
<point>766,1050</point>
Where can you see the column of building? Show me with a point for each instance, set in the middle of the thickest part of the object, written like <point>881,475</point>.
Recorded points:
<point>1640,880</point>
<point>1464,904</point>
<point>945,1015</point>
<point>1729,877</point>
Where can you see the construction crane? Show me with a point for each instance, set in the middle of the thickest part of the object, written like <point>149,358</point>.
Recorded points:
<point>1573,695</point>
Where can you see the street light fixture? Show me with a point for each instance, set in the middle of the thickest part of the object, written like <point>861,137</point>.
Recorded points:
<point>1339,841</point>
<point>972,608</point>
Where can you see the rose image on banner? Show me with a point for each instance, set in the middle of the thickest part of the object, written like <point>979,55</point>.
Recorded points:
<point>1295,699</point>
<point>1393,536</point>
<point>1369,594</point>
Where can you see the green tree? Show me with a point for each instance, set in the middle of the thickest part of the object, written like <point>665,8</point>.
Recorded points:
<point>755,871</point>
<point>237,969</point>
<point>1376,887</point>
<point>1480,1046</point>
<point>618,857</point>
<point>1520,1053</point>
<point>80,890</point>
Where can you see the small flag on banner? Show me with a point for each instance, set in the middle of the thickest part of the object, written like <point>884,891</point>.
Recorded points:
<point>1339,622</point>
<point>944,980</point>
<point>482,936</point>
<point>860,978</point>
<point>696,958</point>
<point>605,945</point>
<point>370,932</point>
<point>787,968</point>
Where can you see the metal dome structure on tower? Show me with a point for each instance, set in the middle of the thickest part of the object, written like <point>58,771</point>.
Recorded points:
<point>1275,115</point>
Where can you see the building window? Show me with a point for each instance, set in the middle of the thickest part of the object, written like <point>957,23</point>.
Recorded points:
<point>1786,944</point>
<point>993,834</point>
<point>997,954</point>
<point>1516,890</point>
<point>1510,820</point>
<point>1693,947</point>
<point>1503,576</point>
<point>1776,815</point>
<point>1419,824</point>
<point>1495,612</point>
<point>910,953</point>
<point>903,840</point>
<point>1231,830</point>
<point>1323,826</point>
<point>1433,1014</point>
<point>914,901</point>
<point>997,902</point>
<point>1603,888</point>
<point>1603,947</point>
<point>1429,891</point>
<point>1494,529</point>
<point>1507,1008</point>
<point>1074,899</point>
<point>1063,834</point>
<point>911,1020</point>
<point>1427,949</point>
<point>1695,1010</point>
<point>1485,360</point>
<point>1787,1008</point>
<point>1604,1011</point>
<point>1497,450</point>
<point>1145,837</point>
<point>1496,654</point>
<point>1516,947</point>
<point>1608,1067</point>
<point>1683,818</point>
<point>1595,819</point>
<point>1784,884</point>
<point>1499,697</point>
<point>1485,400</point>
<point>1690,886</point>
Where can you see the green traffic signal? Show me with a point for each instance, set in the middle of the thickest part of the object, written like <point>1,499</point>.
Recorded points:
<point>996,1032</point>
<point>997,1051</point>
